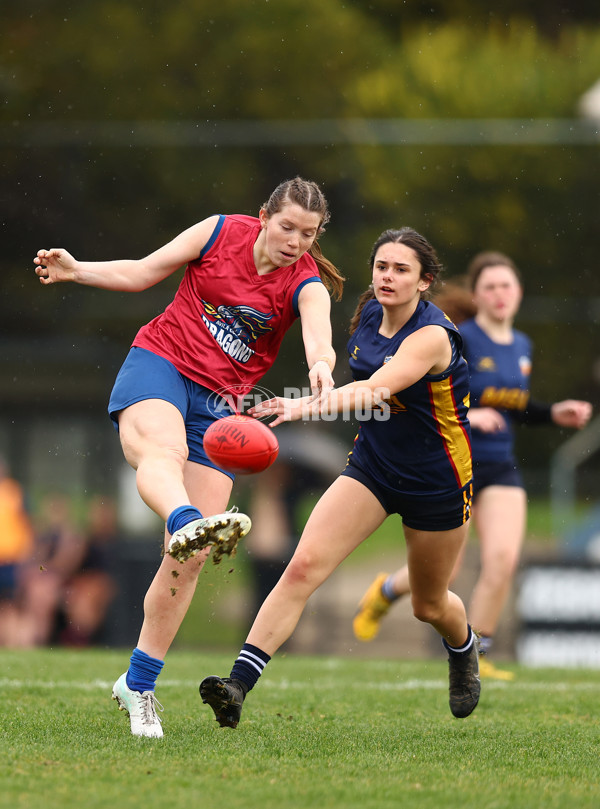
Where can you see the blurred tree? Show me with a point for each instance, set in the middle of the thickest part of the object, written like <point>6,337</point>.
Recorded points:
<point>548,16</point>
<point>86,164</point>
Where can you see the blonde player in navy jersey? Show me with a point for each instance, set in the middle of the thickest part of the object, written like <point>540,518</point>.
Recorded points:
<point>500,361</point>
<point>246,281</point>
<point>412,457</point>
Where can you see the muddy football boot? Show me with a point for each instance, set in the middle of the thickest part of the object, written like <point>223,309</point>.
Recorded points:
<point>222,531</point>
<point>226,697</point>
<point>465,685</point>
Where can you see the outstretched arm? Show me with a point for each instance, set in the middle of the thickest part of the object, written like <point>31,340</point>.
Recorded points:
<point>125,275</point>
<point>314,305</point>
<point>426,351</point>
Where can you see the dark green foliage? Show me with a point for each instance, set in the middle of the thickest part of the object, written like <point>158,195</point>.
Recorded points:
<point>112,141</point>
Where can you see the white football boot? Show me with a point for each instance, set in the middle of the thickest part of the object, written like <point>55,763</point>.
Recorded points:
<point>141,708</point>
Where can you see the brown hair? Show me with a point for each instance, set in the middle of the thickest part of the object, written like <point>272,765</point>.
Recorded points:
<point>309,196</point>
<point>431,267</point>
<point>455,299</point>
<point>489,258</point>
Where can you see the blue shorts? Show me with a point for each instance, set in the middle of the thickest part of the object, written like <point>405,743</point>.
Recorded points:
<point>488,473</point>
<point>420,512</point>
<point>145,375</point>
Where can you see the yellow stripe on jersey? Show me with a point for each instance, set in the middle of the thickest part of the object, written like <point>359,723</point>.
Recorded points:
<point>453,433</point>
<point>467,501</point>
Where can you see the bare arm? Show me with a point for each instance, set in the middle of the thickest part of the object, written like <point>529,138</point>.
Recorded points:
<point>125,275</point>
<point>425,351</point>
<point>314,305</point>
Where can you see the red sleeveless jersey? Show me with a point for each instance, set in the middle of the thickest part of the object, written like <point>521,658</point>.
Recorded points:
<point>224,327</point>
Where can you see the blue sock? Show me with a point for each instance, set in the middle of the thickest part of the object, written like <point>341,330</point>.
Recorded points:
<point>387,589</point>
<point>249,665</point>
<point>463,649</point>
<point>181,516</point>
<point>143,671</point>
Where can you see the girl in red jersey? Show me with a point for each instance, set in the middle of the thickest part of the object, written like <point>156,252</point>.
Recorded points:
<point>411,457</point>
<point>246,280</point>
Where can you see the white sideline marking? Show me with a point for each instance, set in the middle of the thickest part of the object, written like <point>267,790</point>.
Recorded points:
<point>430,685</point>
<point>324,685</point>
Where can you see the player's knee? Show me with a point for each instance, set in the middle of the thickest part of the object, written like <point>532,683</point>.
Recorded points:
<point>163,456</point>
<point>503,568</point>
<point>178,452</point>
<point>301,570</point>
<point>141,447</point>
<point>427,611</point>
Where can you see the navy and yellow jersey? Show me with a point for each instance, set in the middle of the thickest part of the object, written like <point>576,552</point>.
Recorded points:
<point>418,443</point>
<point>499,377</point>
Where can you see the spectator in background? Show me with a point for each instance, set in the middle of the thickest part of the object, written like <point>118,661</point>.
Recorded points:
<point>89,592</point>
<point>68,586</point>
<point>57,554</point>
<point>16,544</point>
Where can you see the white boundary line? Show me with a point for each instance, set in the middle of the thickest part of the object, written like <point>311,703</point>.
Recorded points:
<point>324,685</point>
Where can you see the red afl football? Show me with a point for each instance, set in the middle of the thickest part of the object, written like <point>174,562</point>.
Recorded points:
<point>241,444</point>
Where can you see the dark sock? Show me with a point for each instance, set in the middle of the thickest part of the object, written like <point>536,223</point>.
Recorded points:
<point>249,665</point>
<point>143,671</point>
<point>181,516</point>
<point>465,648</point>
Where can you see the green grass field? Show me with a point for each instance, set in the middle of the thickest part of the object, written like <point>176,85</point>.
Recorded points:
<point>316,732</point>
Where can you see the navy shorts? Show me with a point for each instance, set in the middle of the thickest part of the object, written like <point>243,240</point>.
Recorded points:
<point>145,375</point>
<point>487,474</point>
<point>422,513</point>
<point>8,582</point>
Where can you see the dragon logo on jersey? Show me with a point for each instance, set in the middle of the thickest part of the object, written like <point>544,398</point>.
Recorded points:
<point>235,328</point>
<point>246,323</point>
